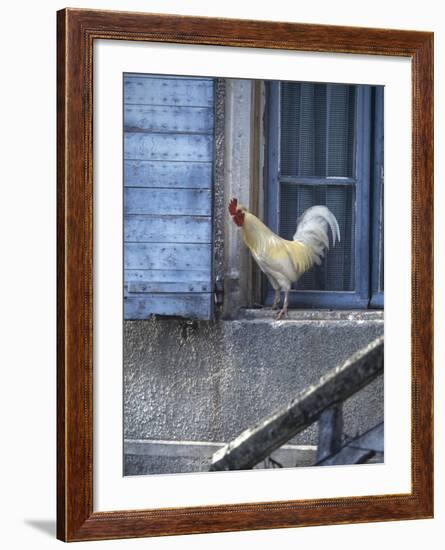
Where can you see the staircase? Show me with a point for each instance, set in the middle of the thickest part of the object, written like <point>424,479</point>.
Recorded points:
<point>323,403</point>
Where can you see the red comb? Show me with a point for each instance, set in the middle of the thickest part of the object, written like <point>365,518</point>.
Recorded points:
<point>233,206</point>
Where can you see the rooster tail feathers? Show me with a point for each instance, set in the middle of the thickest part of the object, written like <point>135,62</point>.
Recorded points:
<point>312,230</point>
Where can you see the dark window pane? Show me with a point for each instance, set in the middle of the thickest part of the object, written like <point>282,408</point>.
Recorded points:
<point>337,269</point>
<point>317,129</point>
<point>290,132</point>
<point>340,133</point>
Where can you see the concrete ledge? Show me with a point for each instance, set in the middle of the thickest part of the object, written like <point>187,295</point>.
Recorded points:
<point>354,315</point>
<point>145,456</point>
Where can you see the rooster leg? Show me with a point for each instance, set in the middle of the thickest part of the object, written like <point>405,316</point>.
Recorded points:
<point>283,312</point>
<point>276,300</point>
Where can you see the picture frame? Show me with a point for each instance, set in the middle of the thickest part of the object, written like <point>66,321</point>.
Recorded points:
<point>76,32</point>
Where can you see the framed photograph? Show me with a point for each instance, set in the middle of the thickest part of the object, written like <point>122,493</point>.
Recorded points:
<point>245,230</point>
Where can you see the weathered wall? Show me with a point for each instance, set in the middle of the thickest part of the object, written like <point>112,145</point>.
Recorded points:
<point>238,174</point>
<point>208,381</point>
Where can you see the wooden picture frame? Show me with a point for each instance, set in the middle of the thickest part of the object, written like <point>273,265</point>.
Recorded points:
<point>77,31</point>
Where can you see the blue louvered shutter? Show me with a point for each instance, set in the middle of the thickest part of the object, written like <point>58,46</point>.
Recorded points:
<point>168,181</point>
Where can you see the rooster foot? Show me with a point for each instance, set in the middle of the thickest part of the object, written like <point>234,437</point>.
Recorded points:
<point>282,313</point>
<point>275,306</point>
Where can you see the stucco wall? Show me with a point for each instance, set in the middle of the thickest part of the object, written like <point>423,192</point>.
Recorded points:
<point>208,381</point>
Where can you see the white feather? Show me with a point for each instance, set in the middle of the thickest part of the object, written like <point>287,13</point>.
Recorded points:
<point>312,230</point>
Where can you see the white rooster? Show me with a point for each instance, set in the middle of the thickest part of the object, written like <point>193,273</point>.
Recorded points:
<point>283,261</point>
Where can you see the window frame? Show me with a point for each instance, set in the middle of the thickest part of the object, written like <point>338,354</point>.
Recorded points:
<point>363,180</point>
<point>377,216</point>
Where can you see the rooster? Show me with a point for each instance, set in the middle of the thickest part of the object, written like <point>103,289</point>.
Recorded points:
<point>283,261</point>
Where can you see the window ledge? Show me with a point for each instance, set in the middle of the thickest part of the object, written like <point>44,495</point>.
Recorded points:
<point>312,315</point>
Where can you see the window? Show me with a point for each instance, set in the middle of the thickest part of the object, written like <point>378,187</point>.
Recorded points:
<point>325,146</point>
